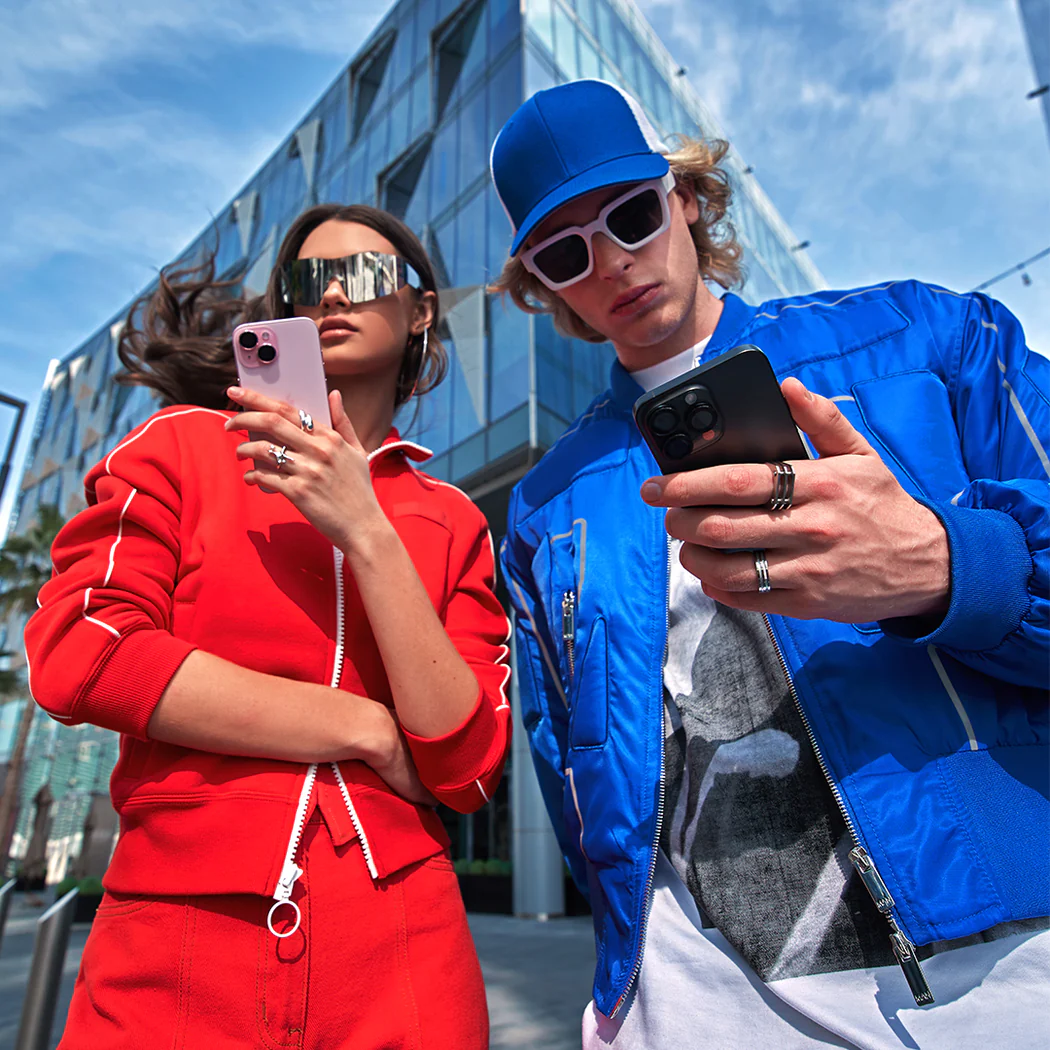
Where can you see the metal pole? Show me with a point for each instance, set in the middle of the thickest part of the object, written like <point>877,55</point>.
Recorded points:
<point>6,892</point>
<point>5,467</point>
<point>45,974</point>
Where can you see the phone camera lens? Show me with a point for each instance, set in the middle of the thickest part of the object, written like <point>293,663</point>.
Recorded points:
<point>267,353</point>
<point>678,446</point>
<point>702,418</point>
<point>248,340</point>
<point>662,420</point>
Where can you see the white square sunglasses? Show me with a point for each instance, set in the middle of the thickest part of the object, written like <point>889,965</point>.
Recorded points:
<point>631,221</point>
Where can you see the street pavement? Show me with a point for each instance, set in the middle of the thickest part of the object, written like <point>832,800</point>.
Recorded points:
<point>537,975</point>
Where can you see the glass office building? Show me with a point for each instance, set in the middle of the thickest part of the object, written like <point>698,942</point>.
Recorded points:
<point>408,126</point>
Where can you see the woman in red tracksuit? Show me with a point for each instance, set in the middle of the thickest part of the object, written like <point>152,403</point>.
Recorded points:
<point>296,677</point>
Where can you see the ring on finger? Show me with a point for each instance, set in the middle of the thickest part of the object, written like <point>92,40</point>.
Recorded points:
<point>762,571</point>
<point>281,455</point>
<point>306,421</point>
<point>783,486</point>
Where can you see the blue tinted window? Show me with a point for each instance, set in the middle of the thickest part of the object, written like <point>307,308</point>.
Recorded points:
<point>538,75</point>
<point>590,64</point>
<point>335,125</point>
<point>443,248</point>
<point>425,20</point>
<point>564,42</point>
<point>403,57</point>
<point>443,157</point>
<point>508,356</point>
<point>553,367</point>
<point>607,23</point>
<point>420,103</point>
<point>588,16</point>
<point>504,24</point>
<point>499,234</point>
<point>538,17</point>
<point>474,141</point>
<point>333,187</point>
<point>759,286</point>
<point>470,243</point>
<point>418,209</point>
<point>399,129</point>
<point>357,172</point>
<point>505,95</point>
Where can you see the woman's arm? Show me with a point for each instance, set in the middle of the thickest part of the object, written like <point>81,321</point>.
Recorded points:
<point>213,705</point>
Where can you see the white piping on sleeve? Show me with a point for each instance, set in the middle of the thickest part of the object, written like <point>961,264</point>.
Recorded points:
<point>955,698</point>
<point>482,790</point>
<point>120,536</point>
<point>91,619</point>
<point>157,419</point>
<point>1026,425</point>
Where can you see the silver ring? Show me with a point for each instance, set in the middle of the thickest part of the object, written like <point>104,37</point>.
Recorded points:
<point>762,569</point>
<point>280,455</point>
<point>306,421</point>
<point>783,486</point>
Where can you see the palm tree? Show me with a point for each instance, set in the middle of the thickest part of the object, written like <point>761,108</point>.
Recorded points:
<point>25,566</point>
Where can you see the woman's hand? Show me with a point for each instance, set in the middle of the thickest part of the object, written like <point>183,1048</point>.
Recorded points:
<point>324,472</point>
<point>389,756</point>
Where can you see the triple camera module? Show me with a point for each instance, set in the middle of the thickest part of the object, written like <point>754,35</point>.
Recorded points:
<point>682,420</point>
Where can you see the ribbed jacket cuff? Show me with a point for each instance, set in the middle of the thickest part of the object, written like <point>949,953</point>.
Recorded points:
<point>460,755</point>
<point>129,684</point>
<point>990,570</point>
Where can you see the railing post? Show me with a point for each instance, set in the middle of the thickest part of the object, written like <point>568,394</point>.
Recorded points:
<point>45,974</point>
<point>6,892</point>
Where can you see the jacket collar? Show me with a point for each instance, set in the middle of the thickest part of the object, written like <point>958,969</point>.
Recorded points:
<point>393,442</point>
<point>736,314</point>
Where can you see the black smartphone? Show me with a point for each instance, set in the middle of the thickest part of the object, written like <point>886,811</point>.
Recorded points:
<point>728,410</point>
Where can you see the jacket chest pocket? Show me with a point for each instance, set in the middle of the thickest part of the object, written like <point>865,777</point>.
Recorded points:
<point>578,633</point>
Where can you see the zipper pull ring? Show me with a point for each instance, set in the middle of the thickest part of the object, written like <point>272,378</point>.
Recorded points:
<point>283,896</point>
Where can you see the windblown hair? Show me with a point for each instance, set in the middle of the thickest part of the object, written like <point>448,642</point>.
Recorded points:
<point>696,163</point>
<point>177,338</point>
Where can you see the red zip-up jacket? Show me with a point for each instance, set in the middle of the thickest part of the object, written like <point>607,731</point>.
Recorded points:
<point>174,552</point>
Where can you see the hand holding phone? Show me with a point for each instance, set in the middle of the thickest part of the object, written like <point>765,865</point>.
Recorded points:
<point>728,410</point>
<point>282,359</point>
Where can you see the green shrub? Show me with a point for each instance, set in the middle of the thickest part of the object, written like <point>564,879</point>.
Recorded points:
<point>64,887</point>
<point>90,887</point>
<point>460,865</point>
<point>476,867</point>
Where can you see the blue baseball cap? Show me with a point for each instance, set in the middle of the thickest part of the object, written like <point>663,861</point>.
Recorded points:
<point>567,141</point>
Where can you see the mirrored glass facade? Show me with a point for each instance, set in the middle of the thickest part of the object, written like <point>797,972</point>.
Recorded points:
<point>408,126</point>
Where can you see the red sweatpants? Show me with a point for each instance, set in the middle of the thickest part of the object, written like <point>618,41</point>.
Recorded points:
<point>386,965</point>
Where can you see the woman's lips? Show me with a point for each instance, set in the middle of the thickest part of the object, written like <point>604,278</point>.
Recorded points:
<point>635,300</point>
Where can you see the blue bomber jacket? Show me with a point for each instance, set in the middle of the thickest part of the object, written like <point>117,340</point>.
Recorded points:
<point>934,745</point>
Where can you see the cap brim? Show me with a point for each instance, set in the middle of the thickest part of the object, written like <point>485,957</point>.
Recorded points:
<point>639,167</point>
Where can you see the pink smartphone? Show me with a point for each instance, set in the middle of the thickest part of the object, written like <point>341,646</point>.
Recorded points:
<point>282,359</point>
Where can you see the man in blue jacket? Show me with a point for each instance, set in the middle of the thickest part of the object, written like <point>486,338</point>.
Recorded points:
<point>790,721</point>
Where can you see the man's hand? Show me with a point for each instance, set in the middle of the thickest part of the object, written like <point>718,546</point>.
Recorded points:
<point>854,546</point>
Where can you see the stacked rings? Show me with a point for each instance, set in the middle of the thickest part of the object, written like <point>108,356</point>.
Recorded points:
<point>783,486</point>
<point>762,569</point>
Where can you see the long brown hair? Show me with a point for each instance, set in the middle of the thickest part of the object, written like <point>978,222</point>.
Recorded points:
<point>696,163</point>
<point>176,340</point>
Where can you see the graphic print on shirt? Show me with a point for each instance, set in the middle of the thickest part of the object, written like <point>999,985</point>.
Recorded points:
<point>751,826</point>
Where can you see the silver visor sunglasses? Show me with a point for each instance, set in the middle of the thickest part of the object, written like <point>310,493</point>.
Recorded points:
<point>364,276</point>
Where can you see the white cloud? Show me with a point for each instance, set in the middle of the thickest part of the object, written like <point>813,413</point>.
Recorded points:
<point>895,136</point>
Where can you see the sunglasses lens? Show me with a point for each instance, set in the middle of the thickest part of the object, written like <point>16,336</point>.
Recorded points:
<point>637,218</point>
<point>564,259</point>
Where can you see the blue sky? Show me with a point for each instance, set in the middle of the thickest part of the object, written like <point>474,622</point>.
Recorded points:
<point>892,134</point>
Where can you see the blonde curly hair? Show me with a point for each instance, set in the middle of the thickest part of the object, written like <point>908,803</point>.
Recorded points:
<point>694,162</point>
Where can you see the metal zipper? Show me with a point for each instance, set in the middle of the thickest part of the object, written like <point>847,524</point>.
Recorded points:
<point>291,871</point>
<point>337,674</point>
<point>648,897</point>
<point>903,948</point>
<point>568,630</point>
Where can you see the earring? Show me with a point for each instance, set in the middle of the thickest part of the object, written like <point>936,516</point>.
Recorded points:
<point>419,370</point>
